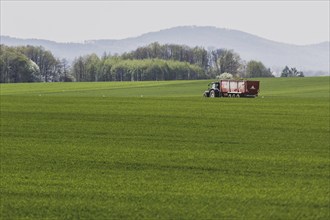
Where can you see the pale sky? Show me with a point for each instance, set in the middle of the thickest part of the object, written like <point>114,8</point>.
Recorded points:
<point>295,22</point>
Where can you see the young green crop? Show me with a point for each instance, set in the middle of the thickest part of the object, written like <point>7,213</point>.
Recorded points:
<point>160,150</point>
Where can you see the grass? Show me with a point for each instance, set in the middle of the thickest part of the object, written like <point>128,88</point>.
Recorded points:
<point>147,150</point>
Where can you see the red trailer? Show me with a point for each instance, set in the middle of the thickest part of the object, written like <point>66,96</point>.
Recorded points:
<point>233,88</point>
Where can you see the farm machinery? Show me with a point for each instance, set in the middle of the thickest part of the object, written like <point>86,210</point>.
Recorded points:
<point>233,88</point>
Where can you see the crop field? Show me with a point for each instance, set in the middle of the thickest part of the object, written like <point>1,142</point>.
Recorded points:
<point>159,150</point>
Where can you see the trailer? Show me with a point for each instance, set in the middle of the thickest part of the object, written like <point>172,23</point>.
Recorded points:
<point>233,88</point>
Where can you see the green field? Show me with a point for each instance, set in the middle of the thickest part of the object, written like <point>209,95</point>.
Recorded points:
<point>159,150</point>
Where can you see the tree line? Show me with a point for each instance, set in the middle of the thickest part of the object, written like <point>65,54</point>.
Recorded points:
<point>31,64</point>
<point>114,68</point>
<point>151,62</point>
<point>165,62</point>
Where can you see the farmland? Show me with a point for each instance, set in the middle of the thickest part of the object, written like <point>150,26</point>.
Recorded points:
<point>160,150</point>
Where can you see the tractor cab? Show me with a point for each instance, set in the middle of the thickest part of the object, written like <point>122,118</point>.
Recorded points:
<point>213,85</point>
<point>213,90</point>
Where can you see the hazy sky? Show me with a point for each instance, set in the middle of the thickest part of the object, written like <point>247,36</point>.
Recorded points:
<point>297,22</point>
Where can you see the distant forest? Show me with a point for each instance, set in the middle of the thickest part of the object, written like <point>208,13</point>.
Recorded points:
<point>152,62</point>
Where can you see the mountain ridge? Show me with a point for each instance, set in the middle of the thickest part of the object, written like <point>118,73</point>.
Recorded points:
<point>276,55</point>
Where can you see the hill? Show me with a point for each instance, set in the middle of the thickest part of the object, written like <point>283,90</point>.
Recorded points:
<point>312,59</point>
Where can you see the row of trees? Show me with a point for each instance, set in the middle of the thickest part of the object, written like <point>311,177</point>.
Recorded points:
<point>152,62</point>
<point>165,62</point>
<point>182,53</point>
<point>93,68</point>
<point>213,62</point>
<point>31,64</point>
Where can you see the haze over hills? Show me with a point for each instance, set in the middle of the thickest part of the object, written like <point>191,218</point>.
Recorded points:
<point>312,59</point>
